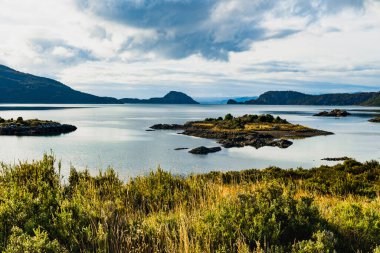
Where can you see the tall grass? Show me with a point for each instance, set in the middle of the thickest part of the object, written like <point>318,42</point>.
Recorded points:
<point>325,209</point>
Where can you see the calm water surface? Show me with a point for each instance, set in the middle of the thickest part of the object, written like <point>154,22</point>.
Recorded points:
<point>114,135</point>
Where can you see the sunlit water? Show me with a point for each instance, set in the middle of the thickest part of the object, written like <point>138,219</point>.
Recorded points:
<point>115,136</point>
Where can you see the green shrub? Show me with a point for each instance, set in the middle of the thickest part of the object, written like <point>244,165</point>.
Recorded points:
<point>270,210</point>
<point>321,242</point>
<point>160,191</point>
<point>20,242</point>
<point>228,117</point>
<point>269,217</point>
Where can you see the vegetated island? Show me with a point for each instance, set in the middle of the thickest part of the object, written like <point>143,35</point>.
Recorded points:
<point>33,127</point>
<point>323,209</point>
<point>333,113</point>
<point>248,130</point>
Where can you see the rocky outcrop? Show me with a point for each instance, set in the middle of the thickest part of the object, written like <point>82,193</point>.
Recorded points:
<point>344,158</point>
<point>333,113</point>
<point>204,150</point>
<point>167,127</point>
<point>50,128</point>
<point>375,120</point>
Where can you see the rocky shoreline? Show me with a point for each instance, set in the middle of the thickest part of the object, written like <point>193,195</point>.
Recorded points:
<point>375,120</point>
<point>245,133</point>
<point>20,127</point>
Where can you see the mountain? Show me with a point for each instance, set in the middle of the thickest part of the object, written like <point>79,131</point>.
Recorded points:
<point>298,98</point>
<point>375,101</point>
<point>22,88</point>
<point>222,100</point>
<point>173,97</point>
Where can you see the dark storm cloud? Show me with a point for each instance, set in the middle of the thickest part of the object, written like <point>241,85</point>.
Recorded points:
<point>211,28</point>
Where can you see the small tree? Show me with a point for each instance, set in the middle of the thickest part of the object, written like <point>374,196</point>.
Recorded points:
<point>228,117</point>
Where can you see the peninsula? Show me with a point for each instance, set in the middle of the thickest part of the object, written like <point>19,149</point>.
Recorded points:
<point>298,98</point>
<point>33,127</point>
<point>22,88</point>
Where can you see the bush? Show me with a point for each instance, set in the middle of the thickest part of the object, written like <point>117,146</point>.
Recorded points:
<point>268,217</point>
<point>160,191</point>
<point>20,242</point>
<point>228,117</point>
<point>271,210</point>
<point>321,242</point>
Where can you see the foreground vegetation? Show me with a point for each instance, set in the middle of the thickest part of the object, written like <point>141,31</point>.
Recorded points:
<point>325,209</point>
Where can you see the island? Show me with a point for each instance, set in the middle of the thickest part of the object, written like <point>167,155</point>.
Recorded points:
<point>33,127</point>
<point>248,130</point>
<point>375,120</point>
<point>333,113</point>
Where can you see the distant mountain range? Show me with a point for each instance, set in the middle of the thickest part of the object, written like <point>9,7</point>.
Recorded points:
<point>298,98</point>
<point>173,97</point>
<point>22,88</point>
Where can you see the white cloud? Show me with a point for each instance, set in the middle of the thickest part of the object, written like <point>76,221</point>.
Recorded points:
<point>299,48</point>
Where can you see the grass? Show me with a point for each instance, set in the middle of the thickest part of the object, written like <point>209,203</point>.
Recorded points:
<point>324,209</point>
<point>274,127</point>
<point>265,122</point>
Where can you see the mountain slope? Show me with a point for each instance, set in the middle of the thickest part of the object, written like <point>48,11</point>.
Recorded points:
<point>374,101</point>
<point>297,98</point>
<point>173,97</point>
<point>18,87</point>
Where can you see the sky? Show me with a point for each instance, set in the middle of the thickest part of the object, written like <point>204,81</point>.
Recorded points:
<point>206,48</point>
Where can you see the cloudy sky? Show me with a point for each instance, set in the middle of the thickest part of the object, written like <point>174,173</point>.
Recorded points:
<point>207,48</point>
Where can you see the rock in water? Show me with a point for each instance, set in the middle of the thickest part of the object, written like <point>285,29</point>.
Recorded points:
<point>167,127</point>
<point>344,158</point>
<point>204,150</point>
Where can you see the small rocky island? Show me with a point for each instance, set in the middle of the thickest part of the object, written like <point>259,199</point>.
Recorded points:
<point>33,127</point>
<point>333,113</point>
<point>248,130</point>
<point>375,120</point>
